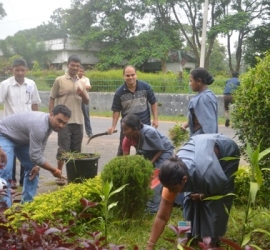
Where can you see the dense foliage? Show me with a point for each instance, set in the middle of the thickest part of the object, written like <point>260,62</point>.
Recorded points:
<point>136,31</point>
<point>242,189</point>
<point>178,136</point>
<point>250,114</point>
<point>135,171</point>
<point>56,217</point>
<point>257,44</point>
<point>61,203</point>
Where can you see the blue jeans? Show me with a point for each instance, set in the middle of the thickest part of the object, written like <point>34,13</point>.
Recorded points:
<point>22,153</point>
<point>87,124</point>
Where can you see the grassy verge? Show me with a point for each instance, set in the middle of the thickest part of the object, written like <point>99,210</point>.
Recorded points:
<point>166,118</point>
<point>136,233</point>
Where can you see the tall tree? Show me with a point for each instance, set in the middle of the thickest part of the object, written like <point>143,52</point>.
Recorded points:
<point>164,29</point>
<point>118,25</point>
<point>26,47</point>
<point>239,17</point>
<point>257,44</point>
<point>224,17</point>
<point>190,13</point>
<point>217,61</point>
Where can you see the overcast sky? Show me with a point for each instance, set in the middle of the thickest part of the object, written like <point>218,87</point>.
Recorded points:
<point>27,14</point>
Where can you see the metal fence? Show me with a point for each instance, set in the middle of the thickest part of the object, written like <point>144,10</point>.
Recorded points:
<point>105,85</point>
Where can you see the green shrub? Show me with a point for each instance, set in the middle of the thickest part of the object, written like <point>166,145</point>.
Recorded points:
<point>135,171</point>
<point>60,203</point>
<point>250,115</point>
<point>242,189</point>
<point>50,80</point>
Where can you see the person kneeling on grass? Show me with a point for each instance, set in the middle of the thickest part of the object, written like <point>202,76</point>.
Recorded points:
<point>199,171</point>
<point>25,135</point>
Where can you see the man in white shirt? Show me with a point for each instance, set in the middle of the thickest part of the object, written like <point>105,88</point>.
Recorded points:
<point>18,94</point>
<point>85,107</point>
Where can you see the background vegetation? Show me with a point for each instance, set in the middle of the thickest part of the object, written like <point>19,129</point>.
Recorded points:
<point>109,81</point>
<point>136,31</point>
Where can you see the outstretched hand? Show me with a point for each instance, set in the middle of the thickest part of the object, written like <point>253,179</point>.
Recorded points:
<point>58,174</point>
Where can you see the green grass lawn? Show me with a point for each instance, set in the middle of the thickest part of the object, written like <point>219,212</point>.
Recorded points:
<point>136,233</point>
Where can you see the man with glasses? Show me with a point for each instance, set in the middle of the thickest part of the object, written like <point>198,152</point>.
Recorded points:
<point>18,94</point>
<point>133,97</point>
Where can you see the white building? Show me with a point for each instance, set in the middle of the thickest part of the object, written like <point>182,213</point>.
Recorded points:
<point>61,49</point>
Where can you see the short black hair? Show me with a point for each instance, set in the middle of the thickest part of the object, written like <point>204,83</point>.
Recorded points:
<point>201,73</point>
<point>61,109</point>
<point>235,74</point>
<point>74,58</point>
<point>19,62</point>
<point>172,172</point>
<point>132,121</point>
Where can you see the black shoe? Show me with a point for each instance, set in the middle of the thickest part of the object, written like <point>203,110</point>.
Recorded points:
<point>227,123</point>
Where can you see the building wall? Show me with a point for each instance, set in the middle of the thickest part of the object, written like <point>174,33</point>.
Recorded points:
<point>61,57</point>
<point>176,67</point>
<point>168,104</point>
<point>61,49</point>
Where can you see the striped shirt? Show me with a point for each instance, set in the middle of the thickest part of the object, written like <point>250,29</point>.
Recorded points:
<point>127,102</point>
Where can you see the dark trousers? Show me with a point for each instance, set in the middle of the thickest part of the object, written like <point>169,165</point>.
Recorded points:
<point>14,172</point>
<point>120,150</point>
<point>87,124</point>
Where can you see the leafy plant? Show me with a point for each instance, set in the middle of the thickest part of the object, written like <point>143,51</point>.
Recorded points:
<point>250,116</point>
<point>52,235</point>
<point>105,194</point>
<point>255,183</point>
<point>135,171</point>
<point>178,135</point>
<point>56,233</point>
<point>57,204</point>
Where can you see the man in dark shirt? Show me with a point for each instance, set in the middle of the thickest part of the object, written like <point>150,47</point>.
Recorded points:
<point>133,98</point>
<point>230,86</point>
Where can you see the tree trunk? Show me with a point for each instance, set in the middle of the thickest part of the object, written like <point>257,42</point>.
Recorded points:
<point>163,66</point>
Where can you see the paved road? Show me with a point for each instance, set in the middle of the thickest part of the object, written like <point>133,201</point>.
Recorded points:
<point>106,146</point>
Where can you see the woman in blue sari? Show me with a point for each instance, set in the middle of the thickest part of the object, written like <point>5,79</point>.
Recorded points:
<point>200,171</point>
<point>150,143</point>
<point>203,107</point>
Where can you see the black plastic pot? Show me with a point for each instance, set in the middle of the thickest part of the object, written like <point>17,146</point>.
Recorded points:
<point>83,168</point>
